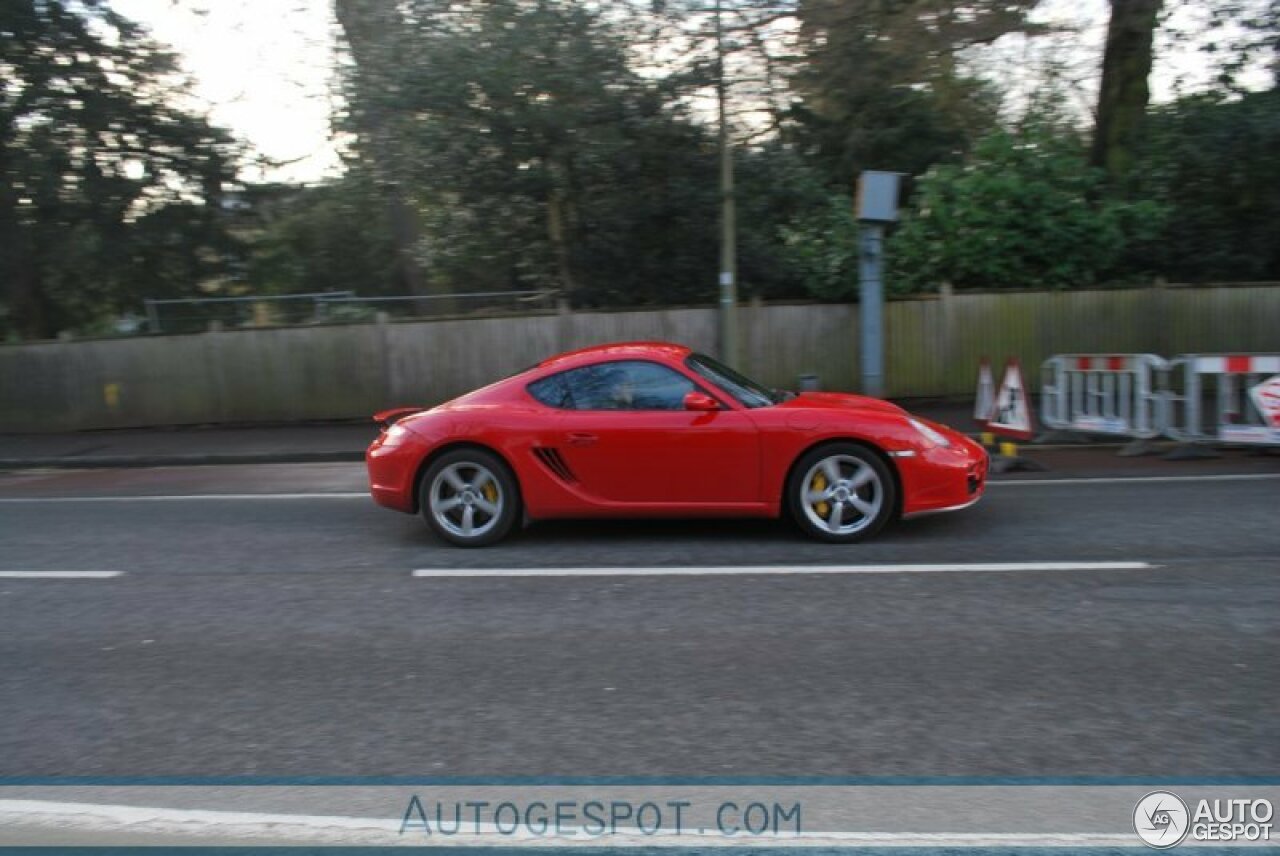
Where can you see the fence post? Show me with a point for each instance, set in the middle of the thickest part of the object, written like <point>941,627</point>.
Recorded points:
<point>381,322</point>
<point>153,316</point>
<point>950,348</point>
<point>1160,315</point>
<point>751,333</point>
<point>564,327</point>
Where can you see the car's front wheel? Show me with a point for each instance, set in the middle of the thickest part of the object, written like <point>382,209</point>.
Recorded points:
<point>469,497</point>
<point>841,492</point>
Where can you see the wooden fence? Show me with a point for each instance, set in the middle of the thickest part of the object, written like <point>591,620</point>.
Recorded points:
<point>336,372</point>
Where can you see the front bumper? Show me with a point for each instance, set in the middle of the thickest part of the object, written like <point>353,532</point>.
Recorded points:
<point>942,478</point>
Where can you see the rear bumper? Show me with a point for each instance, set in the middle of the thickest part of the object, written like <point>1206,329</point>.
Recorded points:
<point>393,471</point>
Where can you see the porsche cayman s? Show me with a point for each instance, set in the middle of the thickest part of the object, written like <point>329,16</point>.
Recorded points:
<point>648,429</point>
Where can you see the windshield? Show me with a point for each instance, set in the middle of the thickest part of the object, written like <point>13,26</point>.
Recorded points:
<point>744,389</point>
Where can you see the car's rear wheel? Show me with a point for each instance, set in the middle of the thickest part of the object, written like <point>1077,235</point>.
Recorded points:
<point>841,492</point>
<point>469,497</point>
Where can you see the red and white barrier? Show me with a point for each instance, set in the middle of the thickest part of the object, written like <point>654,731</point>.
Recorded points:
<point>1114,394</point>
<point>1224,398</point>
<point>1246,364</point>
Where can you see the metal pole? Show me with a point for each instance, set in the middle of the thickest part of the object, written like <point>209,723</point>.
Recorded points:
<point>871,308</point>
<point>728,248</point>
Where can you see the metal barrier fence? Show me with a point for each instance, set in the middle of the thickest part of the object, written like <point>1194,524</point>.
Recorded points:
<point>350,307</point>
<point>1209,402</point>
<point>195,314</point>
<point>1103,394</point>
<point>1193,398</point>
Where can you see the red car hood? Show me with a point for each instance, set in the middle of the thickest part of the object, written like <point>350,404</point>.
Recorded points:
<point>840,401</point>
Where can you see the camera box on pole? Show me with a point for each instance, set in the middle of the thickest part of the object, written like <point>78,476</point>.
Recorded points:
<point>876,206</point>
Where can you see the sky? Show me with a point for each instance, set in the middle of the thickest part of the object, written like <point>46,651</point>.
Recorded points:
<point>263,68</point>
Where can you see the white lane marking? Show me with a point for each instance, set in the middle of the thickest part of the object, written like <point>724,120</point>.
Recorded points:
<point>748,570</point>
<point>25,820</point>
<point>186,497</point>
<point>1137,479</point>
<point>59,575</point>
<point>139,820</point>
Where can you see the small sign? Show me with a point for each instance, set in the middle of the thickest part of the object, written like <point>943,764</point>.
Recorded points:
<point>1100,425</point>
<point>986,394</point>
<point>1011,414</point>
<point>1266,397</point>
<point>1258,434</point>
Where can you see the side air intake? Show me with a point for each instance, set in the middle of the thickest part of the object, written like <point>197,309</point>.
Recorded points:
<point>553,461</point>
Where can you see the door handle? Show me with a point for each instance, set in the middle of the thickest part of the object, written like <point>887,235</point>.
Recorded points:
<point>582,439</point>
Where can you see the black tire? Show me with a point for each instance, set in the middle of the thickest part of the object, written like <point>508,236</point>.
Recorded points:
<point>471,483</point>
<point>865,490</point>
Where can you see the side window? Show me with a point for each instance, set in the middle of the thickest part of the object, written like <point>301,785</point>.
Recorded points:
<point>628,385</point>
<point>552,391</point>
<point>635,385</point>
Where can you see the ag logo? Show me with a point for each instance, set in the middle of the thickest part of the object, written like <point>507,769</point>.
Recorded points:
<point>1161,819</point>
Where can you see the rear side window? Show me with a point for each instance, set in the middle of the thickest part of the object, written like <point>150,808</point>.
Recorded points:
<point>623,385</point>
<point>552,391</point>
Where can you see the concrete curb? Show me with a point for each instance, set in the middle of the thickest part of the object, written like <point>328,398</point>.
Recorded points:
<point>139,461</point>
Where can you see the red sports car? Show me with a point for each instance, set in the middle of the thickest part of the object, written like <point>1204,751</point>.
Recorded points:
<point>655,430</point>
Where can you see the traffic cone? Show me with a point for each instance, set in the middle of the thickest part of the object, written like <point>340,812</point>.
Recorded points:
<point>1007,460</point>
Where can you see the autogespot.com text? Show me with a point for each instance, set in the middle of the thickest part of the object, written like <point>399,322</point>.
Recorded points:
<point>599,818</point>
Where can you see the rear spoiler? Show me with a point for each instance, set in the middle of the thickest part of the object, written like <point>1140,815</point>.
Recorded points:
<point>387,418</point>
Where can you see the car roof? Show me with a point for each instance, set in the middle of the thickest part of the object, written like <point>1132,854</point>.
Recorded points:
<point>618,350</point>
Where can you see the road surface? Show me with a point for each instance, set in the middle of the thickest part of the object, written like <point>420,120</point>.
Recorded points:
<point>267,621</point>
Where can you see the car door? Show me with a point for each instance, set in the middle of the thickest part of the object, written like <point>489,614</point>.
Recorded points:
<point>627,438</point>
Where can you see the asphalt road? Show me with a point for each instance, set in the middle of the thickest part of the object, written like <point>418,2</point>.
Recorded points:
<point>279,631</point>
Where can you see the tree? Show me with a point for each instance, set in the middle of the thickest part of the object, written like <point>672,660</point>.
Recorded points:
<point>1209,159</point>
<point>1123,94</point>
<point>107,189</point>
<point>1213,162</point>
<point>883,85</point>
<point>330,237</point>
<point>378,39</point>
<point>1019,213</point>
<point>535,155</point>
<point>798,235</point>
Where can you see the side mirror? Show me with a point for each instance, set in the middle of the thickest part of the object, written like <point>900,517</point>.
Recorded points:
<point>700,401</point>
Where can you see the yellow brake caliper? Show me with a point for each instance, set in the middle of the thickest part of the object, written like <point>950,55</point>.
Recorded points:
<point>490,491</point>
<point>820,483</point>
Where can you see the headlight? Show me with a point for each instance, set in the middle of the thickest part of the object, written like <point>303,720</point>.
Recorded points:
<point>395,435</point>
<point>935,437</point>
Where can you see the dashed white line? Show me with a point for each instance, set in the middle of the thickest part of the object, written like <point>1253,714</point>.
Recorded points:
<point>790,570</point>
<point>59,575</point>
